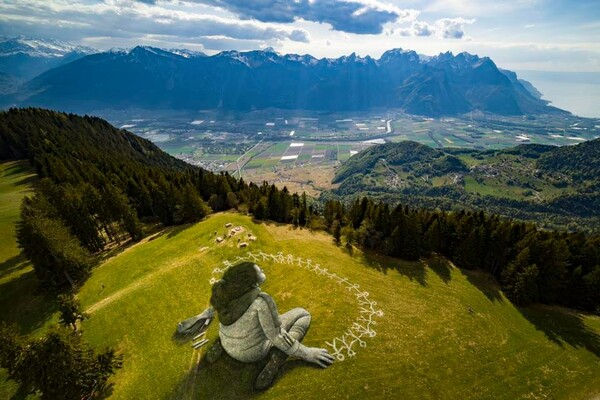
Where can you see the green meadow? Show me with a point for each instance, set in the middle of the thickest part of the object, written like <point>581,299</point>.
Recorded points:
<point>445,333</point>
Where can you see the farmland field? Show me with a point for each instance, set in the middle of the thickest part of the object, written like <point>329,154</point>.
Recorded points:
<point>257,144</point>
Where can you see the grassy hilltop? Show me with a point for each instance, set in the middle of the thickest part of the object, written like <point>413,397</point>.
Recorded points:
<point>428,345</point>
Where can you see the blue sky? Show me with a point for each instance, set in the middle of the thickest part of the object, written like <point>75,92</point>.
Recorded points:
<point>549,35</point>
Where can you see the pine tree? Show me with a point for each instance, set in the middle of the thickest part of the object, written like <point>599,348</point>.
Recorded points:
<point>302,218</point>
<point>525,289</point>
<point>192,207</point>
<point>59,365</point>
<point>232,200</point>
<point>70,311</point>
<point>260,210</point>
<point>349,234</point>
<point>57,256</point>
<point>433,238</point>
<point>336,229</point>
<point>274,205</point>
<point>592,289</point>
<point>410,245</point>
<point>520,279</point>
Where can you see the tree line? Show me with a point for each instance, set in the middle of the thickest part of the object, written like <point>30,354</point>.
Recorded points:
<point>532,265</point>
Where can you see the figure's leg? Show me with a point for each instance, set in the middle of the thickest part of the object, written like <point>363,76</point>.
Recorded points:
<point>296,322</point>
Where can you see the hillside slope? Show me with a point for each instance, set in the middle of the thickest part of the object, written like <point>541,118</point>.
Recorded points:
<point>556,186</point>
<point>426,344</point>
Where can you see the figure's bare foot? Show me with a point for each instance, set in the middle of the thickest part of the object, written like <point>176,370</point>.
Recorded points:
<point>214,352</point>
<point>267,376</point>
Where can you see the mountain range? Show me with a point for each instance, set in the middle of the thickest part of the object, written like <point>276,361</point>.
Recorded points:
<point>148,77</point>
<point>23,57</point>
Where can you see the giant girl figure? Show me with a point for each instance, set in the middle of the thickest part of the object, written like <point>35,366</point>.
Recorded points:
<point>250,328</point>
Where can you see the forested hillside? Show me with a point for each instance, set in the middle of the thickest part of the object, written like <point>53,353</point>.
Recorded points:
<point>532,265</point>
<point>557,187</point>
<point>99,182</point>
<point>582,162</point>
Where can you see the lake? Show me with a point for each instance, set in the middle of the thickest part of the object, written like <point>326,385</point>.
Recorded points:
<point>577,92</point>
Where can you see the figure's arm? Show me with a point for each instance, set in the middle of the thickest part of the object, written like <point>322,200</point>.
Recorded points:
<point>286,342</point>
<point>273,330</point>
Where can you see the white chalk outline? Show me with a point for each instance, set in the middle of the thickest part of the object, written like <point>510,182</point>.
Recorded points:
<point>362,327</point>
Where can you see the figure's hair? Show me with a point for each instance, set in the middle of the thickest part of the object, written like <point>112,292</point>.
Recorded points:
<point>236,281</point>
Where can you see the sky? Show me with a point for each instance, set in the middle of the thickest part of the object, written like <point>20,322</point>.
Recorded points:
<point>538,35</point>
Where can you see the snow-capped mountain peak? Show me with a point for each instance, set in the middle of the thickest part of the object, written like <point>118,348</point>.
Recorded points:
<point>45,48</point>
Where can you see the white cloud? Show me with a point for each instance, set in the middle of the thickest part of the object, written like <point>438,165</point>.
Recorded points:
<point>422,29</point>
<point>445,28</point>
<point>478,7</point>
<point>353,16</point>
<point>127,18</point>
<point>452,28</point>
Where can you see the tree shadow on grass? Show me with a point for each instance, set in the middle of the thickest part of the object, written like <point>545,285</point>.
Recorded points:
<point>22,392</point>
<point>174,231</point>
<point>563,326</point>
<point>19,167</point>
<point>227,378</point>
<point>441,267</point>
<point>13,264</point>
<point>485,283</point>
<point>27,181</point>
<point>413,270</point>
<point>25,304</point>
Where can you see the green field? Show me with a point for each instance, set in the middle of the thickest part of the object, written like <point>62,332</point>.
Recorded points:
<point>317,153</point>
<point>427,344</point>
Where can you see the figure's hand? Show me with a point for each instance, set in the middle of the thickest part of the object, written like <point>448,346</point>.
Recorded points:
<point>319,356</point>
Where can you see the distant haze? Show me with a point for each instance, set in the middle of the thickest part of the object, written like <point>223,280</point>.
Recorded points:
<point>577,92</point>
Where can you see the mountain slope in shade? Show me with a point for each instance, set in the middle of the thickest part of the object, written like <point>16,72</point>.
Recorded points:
<point>26,58</point>
<point>9,83</point>
<point>148,77</point>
